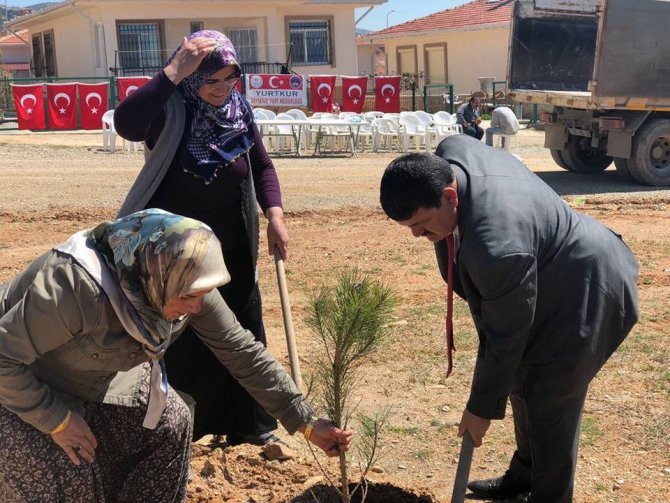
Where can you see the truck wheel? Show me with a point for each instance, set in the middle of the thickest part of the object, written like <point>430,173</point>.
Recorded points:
<point>581,157</point>
<point>623,170</point>
<point>650,159</point>
<point>557,156</point>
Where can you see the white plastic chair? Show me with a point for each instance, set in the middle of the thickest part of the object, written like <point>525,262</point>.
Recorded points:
<point>386,132</point>
<point>412,129</point>
<point>109,135</point>
<point>297,114</point>
<point>454,122</point>
<point>425,118</point>
<point>108,131</point>
<point>259,114</point>
<point>442,116</point>
<point>498,138</point>
<point>285,132</point>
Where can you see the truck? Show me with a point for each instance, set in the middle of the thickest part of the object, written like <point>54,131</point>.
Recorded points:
<point>599,71</point>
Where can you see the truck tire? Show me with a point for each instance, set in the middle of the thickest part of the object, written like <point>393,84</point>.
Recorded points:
<point>650,158</point>
<point>557,156</point>
<point>623,170</point>
<point>581,157</point>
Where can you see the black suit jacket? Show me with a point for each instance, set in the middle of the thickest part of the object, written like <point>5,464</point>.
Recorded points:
<point>544,283</point>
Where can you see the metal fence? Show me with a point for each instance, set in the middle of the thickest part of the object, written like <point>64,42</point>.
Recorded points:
<point>415,92</point>
<point>8,111</point>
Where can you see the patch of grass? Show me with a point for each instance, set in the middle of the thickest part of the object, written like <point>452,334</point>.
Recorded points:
<point>601,488</point>
<point>422,455</point>
<point>404,430</point>
<point>440,425</point>
<point>590,430</point>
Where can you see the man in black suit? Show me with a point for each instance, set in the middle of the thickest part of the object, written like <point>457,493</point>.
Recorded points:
<point>552,293</point>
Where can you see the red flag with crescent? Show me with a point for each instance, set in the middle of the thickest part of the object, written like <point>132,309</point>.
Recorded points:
<point>128,85</point>
<point>322,92</point>
<point>353,93</point>
<point>387,94</point>
<point>29,106</point>
<point>92,104</point>
<point>62,105</point>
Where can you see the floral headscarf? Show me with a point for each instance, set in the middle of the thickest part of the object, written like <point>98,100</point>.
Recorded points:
<point>158,256</point>
<point>217,134</point>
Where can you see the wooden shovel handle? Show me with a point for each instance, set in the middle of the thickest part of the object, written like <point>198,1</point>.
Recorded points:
<point>288,321</point>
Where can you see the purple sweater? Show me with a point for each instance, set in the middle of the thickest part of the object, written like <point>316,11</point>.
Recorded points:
<point>141,116</point>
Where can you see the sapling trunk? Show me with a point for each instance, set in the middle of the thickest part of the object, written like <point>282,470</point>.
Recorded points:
<point>350,321</point>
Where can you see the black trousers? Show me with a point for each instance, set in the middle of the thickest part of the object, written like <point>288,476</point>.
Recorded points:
<point>475,131</point>
<point>547,403</point>
<point>222,405</point>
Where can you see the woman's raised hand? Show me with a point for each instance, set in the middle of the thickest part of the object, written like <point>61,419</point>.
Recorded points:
<point>188,58</point>
<point>77,440</point>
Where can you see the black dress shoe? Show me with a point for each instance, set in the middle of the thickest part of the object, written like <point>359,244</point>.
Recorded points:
<point>507,486</point>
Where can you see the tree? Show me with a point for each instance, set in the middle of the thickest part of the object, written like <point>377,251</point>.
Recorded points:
<point>350,320</point>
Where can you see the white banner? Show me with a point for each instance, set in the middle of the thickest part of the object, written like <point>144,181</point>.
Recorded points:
<point>283,90</point>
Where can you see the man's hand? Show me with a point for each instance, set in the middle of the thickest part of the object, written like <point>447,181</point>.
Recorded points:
<point>77,440</point>
<point>329,438</point>
<point>188,58</point>
<point>277,234</point>
<point>477,426</point>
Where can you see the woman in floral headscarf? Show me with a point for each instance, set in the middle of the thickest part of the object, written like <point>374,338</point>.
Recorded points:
<point>77,329</point>
<point>205,159</point>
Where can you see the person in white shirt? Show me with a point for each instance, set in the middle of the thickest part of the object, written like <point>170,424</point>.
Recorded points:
<point>503,121</point>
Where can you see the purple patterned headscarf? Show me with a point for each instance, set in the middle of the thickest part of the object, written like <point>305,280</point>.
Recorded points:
<point>217,134</point>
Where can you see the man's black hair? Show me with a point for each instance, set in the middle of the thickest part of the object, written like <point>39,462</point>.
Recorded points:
<point>413,181</point>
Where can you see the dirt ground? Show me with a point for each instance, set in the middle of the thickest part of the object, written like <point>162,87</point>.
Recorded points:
<point>54,184</point>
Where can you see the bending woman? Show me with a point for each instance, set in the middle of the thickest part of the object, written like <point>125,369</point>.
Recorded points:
<point>205,160</point>
<point>76,330</point>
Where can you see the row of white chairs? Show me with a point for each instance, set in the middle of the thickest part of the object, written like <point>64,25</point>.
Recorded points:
<point>373,130</point>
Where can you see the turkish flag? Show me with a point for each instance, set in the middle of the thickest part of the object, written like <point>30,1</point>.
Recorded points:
<point>62,105</point>
<point>353,93</point>
<point>387,94</point>
<point>29,105</point>
<point>128,84</point>
<point>322,92</point>
<point>92,104</point>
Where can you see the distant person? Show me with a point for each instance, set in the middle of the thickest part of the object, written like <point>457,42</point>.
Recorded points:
<point>552,293</point>
<point>206,160</point>
<point>503,121</point>
<point>468,116</point>
<point>335,108</point>
<point>83,416</point>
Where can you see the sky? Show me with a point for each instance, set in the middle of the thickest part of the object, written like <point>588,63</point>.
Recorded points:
<point>405,10</point>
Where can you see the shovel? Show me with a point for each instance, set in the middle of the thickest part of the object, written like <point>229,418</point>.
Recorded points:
<point>463,469</point>
<point>288,321</point>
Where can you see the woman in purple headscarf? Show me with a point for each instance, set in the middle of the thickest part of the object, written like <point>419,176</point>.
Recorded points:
<point>205,160</point>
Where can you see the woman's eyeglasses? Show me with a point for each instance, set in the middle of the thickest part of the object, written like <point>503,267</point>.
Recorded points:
<point>227,82</point>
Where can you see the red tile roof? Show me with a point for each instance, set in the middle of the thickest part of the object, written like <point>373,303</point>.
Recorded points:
<point>11,39</point>
<point>476,13</point>
<point>13,67</point>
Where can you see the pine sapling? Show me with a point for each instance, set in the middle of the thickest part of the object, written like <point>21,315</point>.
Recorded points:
<point>350,321</point>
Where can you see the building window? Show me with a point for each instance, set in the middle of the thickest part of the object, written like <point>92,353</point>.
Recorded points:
<point>50,53</point>
<point>310,42</point>
<point>140,47</point>
<point>245,41</point>
<point>197,26</point>
<point>38,55</point>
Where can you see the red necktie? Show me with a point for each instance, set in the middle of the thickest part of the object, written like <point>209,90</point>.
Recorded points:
<point>450,304</point>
